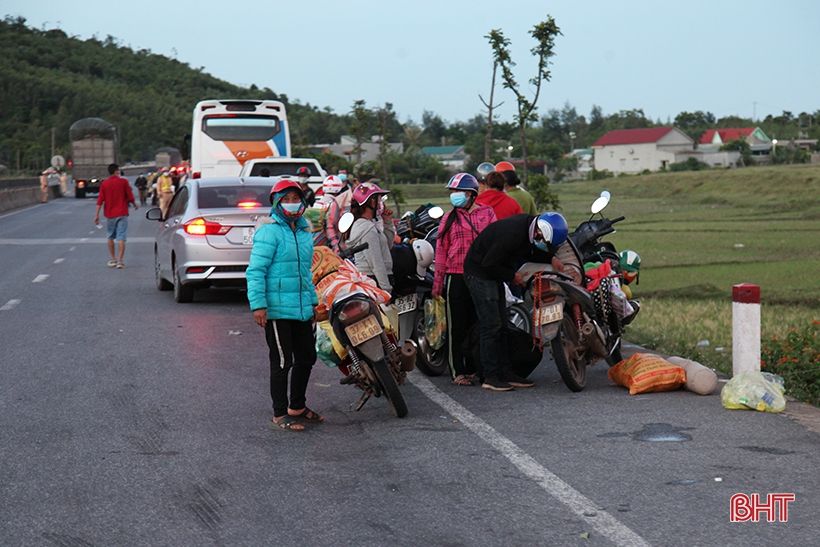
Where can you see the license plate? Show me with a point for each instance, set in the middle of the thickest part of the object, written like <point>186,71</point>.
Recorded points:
<point>550,314</point>
<point>363,331</point>
<point>247,235</point>
<point>406,303</point>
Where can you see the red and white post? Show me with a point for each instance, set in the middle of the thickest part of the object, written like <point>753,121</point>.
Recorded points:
<point>745,328</point>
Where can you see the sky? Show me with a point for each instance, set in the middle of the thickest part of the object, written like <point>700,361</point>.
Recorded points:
<point>729,57</point>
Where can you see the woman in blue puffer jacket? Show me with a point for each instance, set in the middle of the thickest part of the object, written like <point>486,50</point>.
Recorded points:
<point>282,298</point>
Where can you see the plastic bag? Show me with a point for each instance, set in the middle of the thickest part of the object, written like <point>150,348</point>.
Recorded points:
<point>435,322</point>
<point>760,391</point>
<point>328,348</point>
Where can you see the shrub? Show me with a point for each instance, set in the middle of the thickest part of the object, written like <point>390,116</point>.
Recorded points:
<point>796,357</point>
<point>690,164</point>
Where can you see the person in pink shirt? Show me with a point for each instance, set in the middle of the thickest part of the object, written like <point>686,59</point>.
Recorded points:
<point>457,230</point>
<point>115,196</point>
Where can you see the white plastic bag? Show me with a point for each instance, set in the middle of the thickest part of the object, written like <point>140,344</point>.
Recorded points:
<point>760,391</point>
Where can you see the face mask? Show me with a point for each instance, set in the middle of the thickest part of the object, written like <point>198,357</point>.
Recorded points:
<point>542,245</point>
<point>293,209</point>
<point>458,199</point>
<point>343,178</point>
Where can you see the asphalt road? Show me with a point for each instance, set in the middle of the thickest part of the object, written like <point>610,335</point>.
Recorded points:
<point>127,419</point>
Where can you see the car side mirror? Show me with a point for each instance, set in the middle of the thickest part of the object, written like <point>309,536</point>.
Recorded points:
<point>155,213</point>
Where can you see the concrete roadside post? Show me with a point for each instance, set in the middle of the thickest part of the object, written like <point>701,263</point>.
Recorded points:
<point>745,328</point>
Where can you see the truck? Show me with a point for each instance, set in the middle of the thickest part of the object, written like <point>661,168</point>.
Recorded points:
<point>94,146</point>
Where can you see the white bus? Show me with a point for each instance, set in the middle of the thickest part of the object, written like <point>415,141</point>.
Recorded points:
<point>227,133</point>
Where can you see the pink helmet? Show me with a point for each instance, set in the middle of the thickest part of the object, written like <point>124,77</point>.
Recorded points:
<point>365,191</point>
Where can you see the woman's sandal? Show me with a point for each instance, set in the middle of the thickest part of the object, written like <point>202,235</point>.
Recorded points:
<point>309,415</point>
<point>289,423</point>
<point>463,380</point>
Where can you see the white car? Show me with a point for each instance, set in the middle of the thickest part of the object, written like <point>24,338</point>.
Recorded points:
<point>206,237</point>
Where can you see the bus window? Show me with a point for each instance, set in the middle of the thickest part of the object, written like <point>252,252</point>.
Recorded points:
<point>238,128</point>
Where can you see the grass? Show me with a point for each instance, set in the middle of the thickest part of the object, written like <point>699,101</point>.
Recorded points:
<point>698,234</point>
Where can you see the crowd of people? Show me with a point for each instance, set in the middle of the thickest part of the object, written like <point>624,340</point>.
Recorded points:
<point>492,228</point>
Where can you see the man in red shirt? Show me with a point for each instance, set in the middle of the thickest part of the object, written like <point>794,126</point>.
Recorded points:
<point>115,194</point>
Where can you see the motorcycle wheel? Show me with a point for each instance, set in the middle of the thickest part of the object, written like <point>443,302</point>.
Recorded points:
<point>520,318</point>
<point>431,362</point>
<point>573,369</point>
<point>390,388</point>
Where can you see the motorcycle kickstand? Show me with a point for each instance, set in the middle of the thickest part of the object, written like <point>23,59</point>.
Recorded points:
<point>357,406</point>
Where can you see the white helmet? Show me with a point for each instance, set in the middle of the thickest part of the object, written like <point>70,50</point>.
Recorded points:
<point>332,185</point>
<point>425,254</point>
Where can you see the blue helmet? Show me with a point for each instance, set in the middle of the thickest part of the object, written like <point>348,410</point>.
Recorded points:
<point>553,228</point>
<point>463,181</point>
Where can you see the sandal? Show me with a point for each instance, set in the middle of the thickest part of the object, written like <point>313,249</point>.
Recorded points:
<point>309,415</point>
<point>463,380</point>
<point>288,423</point>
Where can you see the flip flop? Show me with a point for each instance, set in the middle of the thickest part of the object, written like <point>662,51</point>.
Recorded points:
<point>288,423</point>
<point>309,415</point>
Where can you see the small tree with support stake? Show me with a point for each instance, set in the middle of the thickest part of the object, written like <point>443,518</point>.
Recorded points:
<point>544,33</point>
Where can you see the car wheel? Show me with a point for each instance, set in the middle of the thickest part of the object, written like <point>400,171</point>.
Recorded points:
<point>182,293</point>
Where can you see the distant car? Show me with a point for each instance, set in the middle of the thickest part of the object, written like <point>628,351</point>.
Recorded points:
<point>206,237</point>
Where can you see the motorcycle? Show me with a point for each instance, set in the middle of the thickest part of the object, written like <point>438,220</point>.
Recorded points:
<point>374,362</point>
<point>580,322</point>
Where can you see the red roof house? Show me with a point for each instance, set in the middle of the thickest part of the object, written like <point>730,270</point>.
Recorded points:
<point>638,150</point>
<point>752,135</point>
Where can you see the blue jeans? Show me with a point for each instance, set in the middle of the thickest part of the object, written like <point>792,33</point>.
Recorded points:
<point>117,228</point>
<point>491,309</point>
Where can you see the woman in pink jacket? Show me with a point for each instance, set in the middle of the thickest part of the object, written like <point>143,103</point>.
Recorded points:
<point>456,232</point>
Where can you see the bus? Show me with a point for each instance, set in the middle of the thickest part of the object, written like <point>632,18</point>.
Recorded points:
<point>227,133</point>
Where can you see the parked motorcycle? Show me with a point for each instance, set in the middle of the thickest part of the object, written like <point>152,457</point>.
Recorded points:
<point>580,325</point>
<point>374,363</point>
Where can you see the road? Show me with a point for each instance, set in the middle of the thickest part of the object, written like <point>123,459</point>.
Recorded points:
<point>127,419</point>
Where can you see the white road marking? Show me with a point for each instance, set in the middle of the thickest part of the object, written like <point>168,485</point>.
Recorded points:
<point>57,261</point>
<point>19,211</point>
<point>10,305</point>
<point>583,507</point>
<point>71,249</point>
<point>91,233</point>
<point>67,240</point>
<point>40,278</point>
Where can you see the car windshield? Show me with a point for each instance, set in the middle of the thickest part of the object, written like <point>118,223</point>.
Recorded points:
<point>216,197</point>
<point>277,169</point>
<point>241,128</point>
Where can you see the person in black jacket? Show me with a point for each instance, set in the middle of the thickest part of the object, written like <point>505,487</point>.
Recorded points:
<point>492,260</point>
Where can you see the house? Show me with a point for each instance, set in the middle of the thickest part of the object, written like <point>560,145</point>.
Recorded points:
<point>637,150</point>
<point>453,157</point>
<point>346,148</point>
<point>754,136</point>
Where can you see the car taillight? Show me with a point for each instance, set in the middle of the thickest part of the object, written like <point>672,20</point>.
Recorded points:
<point>248,204</point>
<point>196,175</point>
<point>353,311</point>
<point>196,269</point>
<point>202,227</point>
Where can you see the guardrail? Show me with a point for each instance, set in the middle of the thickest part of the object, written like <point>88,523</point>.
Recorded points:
<point>19,192</point>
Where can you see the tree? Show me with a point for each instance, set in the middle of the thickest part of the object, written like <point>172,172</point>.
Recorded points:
<point>544,33</point>
<point>359,126</point>
<point>384,114</point>
<point>498,49</point>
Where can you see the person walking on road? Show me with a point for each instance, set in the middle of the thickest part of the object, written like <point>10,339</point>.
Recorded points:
<point>492,260</point>
<point>115,195</point>
<point>282,298</point>
<point>142,187</point>
<point>457,230</point>
<point>165,189</point>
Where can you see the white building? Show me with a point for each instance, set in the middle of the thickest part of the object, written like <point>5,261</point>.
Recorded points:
<point>636,150</point>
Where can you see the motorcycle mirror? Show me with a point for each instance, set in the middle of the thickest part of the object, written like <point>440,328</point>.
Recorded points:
<point>600,204</point>
<point>436,212</point>
<point>346,222</point>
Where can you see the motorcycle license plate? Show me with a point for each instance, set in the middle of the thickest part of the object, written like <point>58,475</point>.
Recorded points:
<point>406,303</point>
<point>247,235</point>
<point>363,331</point>
<point>550,314</point>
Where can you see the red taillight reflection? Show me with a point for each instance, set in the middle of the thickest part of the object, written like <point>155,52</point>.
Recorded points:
<point>196,269</point>
<point>196,175</point>
<point>202,227</point>
<point>248,204</point>
<point>353,311</point>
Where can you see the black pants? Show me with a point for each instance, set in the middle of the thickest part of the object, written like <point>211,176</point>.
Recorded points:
<point>292,346</point>
<point>491,308</point>
<point>460,318</point>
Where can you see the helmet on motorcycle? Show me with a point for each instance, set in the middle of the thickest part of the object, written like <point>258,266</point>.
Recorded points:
<point>484,169</point>
<point>630,263</point>
<point>425,254</point>
<point>504,166</point>
<point>332,185</point>
<point>365,191</point>
<point>463,181</point>
<point>548,230</point>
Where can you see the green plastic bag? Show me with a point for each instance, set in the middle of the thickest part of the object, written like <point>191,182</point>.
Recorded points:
<point>435,322</point>
<point>760,391</point>
<point>324,348</point>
